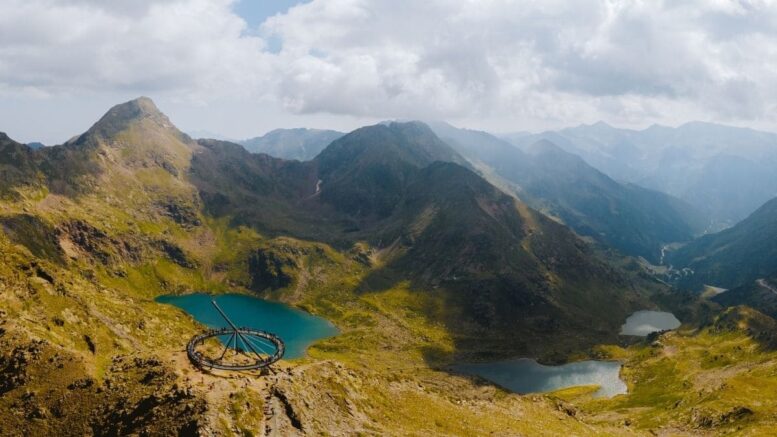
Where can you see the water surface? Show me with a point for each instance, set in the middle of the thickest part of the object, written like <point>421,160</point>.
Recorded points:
<point>642,323</point>
<point>525,375</point>
<point>297,328</point>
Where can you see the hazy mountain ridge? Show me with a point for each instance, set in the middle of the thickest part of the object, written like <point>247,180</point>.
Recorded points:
<point>635,220</point>
<point>35,145</point>
<point>302,144</point>
<point>724,171</point>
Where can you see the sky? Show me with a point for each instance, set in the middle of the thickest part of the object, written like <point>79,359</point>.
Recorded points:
<point>239,68</point>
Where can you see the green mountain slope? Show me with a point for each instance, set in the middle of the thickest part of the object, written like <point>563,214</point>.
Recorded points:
<point>364,173</point>
<point>90,232</point>
<point>17,166</point>
<point>761,295</point>
<point>736,256</point>
<point>505,267</point>
<point>269,194</point>
<point>422,215</point>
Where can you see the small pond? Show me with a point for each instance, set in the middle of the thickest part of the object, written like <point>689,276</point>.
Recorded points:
<point>297,328</point>
<point>525,375</point>
<point>642,323</point>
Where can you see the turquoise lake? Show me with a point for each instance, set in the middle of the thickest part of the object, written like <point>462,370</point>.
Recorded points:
<point>297,328</point>
<point>524,375</point>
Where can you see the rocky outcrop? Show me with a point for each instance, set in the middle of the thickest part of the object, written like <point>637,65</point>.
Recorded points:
<point>175,254</point>
<point>287,262</point>
<point>112,250</point>
<point>271,269</point>
<point>95,243</point>
<point>701,418</point>
<point>38,236</point>
<point>46,390</point>
<point>315,400</point>
<point>756,325</point>
<point>143,397</point>
<point>181,213</point>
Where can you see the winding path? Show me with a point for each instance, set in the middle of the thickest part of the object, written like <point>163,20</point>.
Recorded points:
<point>766,285</point>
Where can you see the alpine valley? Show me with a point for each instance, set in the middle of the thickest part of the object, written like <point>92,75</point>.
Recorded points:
<point>426,246</point>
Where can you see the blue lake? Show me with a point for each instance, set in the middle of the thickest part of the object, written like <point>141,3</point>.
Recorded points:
<point>524,375</point>
<point>297,328</point>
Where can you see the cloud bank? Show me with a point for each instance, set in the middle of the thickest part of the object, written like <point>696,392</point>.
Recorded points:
<point>502,63</point>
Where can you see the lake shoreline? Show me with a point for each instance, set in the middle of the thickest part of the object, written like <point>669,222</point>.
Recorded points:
<point>296,327</point>
<point>526,376</point>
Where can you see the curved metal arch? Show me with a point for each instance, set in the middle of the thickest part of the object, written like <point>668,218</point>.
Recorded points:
<point>243,335</point>
<point>203,361</point>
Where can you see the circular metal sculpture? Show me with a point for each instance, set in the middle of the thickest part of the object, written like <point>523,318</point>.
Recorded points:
<point>244,348</point>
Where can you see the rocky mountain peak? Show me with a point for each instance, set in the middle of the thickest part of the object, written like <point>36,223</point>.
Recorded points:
<point>121,116</point>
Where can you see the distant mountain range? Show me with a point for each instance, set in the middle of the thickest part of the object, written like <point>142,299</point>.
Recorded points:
<point>725,172</point>
<point>635,220</point>
<point>300,144</point>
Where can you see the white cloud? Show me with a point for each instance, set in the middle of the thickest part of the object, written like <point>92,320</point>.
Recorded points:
<point>494,63</point>
<point>185,46</point>
<point>632,61</point>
